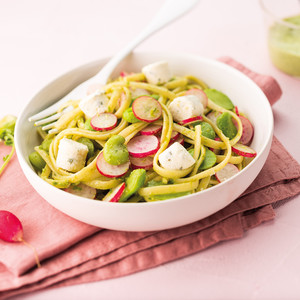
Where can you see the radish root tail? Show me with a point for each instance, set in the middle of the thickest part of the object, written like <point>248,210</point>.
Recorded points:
<point>37,260</point>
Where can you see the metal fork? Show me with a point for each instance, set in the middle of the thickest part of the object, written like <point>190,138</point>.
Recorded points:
<point>171,10</point>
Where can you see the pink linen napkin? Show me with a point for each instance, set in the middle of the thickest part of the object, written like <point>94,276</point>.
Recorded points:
<point>82,253</point>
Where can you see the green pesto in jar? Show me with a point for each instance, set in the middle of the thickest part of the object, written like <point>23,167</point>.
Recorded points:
<point>284,46</point>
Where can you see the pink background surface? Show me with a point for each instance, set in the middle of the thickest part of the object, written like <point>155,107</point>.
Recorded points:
<point>40,40</point>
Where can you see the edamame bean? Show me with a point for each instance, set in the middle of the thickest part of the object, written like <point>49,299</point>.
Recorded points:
<point>114,151</point>
<point>37,161</point>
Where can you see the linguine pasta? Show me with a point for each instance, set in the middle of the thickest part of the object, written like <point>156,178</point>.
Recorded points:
<point>160,183</point>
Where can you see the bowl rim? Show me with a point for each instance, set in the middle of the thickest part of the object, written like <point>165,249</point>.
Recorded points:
<point>24,162</point>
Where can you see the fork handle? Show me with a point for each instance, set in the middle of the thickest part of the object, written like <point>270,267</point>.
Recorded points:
<point>171,10</point>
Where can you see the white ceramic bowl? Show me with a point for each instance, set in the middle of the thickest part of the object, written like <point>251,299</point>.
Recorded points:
<point>161,214</point>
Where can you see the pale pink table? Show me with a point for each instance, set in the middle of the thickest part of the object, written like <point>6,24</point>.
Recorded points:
<point>40,40</point>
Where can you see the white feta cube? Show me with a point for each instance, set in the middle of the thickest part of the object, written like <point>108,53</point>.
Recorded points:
<point>157,73</point>
<point>71,155</point>
<point>186,107</point>
<point>94,103</point>
<point>176,157</point>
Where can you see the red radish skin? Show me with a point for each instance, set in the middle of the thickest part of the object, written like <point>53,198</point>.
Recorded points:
<point>111,171</point>
<point>248,131</point>
<point>115,194</point>
<point>236,111</point>
<point>143,145</point>
<point>124,73</point>
<point>200,94</point>
<point>243,150</point>
<point>151,129</point>
<point>141,162</point>
<point>147,109</point>
<point>227,172</point>
<point>190,120</point>
<point>179,140</point>
<point>104,121</point>
<point>11,230</point>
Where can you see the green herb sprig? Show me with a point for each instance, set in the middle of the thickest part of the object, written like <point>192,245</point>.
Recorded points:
<point>7,130</point>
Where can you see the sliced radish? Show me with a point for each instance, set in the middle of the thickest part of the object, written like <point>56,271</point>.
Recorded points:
<point>190,120</point>
<point>243,150</point>
<point>141,162</point>
<point>11,230</point>
<point>138,92</point>
<point>180,140</point>
<point>228,171</point>
<point>236,111</point>
<point>213,115</point>
<point>147,109</point>
<point>248,130</point>
<point>174,136</point>
<point>200,94</point>
<point>121,100</point>
<point>82,190</point>
<point>104,121</point>
<point>115,194</point>
<point>143,145</point>
<point>109,170</point>
<point>123,73</point>
<point>151,129</point>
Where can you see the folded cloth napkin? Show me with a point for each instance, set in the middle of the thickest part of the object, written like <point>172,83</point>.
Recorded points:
<point>73,252</point>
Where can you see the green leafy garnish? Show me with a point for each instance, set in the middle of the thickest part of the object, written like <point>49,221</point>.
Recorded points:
<point>7,131</point>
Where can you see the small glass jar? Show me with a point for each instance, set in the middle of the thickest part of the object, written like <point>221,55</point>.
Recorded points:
<point>282,18</point>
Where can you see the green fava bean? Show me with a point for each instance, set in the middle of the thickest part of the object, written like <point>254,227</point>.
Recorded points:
<point>224,122</point>
<point>87,125</point>
<point>89,144</point>
<point>209,160</point>
<point>219,98</point>
<point>114,151</point>
<point>191,151</point>
<point>129,116</point>
<point>37,161</point>
<point>134,182</point>
<point>207,130</point>
<point>45,145</point>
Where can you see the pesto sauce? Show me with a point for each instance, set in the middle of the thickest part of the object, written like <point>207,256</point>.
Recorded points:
<point>284,46</point>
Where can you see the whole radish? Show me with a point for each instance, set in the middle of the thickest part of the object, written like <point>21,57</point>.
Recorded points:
<point>11,230</point>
